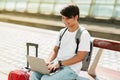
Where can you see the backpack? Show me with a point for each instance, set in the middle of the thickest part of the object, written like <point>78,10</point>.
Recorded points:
<point>87,58</point>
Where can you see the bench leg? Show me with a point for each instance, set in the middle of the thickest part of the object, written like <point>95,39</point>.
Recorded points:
<point>91,71</point>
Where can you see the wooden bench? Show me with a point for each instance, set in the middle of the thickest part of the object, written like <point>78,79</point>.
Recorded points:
<point>95,71</point>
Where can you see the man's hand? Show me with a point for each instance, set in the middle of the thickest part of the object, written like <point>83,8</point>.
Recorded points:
<point>53,67</point>
<point>47,62</point>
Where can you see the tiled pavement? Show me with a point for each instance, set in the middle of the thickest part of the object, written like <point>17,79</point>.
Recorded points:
<point>13,40</point>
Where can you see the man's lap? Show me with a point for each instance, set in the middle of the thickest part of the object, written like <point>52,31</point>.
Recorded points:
<point>65,74</point>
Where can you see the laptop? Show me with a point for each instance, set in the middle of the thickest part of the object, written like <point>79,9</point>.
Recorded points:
<point>37,64</point>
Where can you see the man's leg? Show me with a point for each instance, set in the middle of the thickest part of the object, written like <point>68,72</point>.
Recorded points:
<point>35,76</point>
<point>65,74</point>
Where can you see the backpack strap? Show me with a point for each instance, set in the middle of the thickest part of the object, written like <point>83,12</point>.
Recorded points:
<point>61,35</point>
<point>77,38</point>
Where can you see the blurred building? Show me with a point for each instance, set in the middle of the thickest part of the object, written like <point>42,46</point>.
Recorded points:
<point>105,9</point>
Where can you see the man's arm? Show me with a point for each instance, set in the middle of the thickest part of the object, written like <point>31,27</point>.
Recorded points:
<point>77,58</point>
<point>53,55</point>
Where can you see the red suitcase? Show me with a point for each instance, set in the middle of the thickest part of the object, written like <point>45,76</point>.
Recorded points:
<point>18,75</point>
<point>24,73</point>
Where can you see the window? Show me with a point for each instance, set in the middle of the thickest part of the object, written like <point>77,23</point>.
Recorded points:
<point>47,1</point>
<point>84,9</point>
<point>82,1</point>
<point>102,10</point>
<point>57,8</point>
<point>21,5</point>
<point>46,8</point>
<point>117,11</point>
<point>2,4</point>
<point>84,6</point>
<point>63,1</point>
<point>10,5</point>
<point>118,1</point>
<point>37,1</point>
<point>33,7</point>
<point>104,1</point>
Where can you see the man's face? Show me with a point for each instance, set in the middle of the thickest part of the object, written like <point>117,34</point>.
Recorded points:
<point>69,22</point>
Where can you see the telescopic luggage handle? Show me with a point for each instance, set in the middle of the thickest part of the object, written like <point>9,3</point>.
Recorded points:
<point>36,47</point>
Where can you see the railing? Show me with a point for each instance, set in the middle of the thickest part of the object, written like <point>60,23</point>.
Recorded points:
<point>102,44</point>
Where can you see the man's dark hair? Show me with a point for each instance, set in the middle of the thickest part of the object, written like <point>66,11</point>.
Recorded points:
<point>70,11</point>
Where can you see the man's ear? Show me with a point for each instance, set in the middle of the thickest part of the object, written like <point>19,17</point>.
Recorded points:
<point>76,17</point>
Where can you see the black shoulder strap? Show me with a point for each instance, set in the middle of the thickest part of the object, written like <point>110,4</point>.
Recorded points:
<point>77,38</point>
<point>61,35</point>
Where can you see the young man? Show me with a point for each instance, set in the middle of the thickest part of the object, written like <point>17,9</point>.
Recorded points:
<point>64,53</point>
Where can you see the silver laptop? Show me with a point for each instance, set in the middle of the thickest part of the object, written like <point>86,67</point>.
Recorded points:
<point>37,64</point>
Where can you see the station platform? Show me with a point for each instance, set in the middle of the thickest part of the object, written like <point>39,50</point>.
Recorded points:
<point>13,39</point>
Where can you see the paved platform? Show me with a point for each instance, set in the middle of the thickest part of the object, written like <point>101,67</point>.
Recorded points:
<point>13,40</point>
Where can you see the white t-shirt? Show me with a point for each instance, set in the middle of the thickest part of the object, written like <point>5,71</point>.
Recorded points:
<point>68,46</point>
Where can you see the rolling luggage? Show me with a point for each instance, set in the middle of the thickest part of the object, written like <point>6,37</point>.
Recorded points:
<point>24,73</point>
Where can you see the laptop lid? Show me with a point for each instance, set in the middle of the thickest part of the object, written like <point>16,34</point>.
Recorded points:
<point>37,64</point>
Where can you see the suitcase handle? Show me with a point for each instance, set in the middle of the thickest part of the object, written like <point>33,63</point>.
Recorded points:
<point>36,47</point>
<point>32,44</point>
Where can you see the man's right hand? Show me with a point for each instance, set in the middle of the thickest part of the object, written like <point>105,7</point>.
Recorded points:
<point>47,62</point>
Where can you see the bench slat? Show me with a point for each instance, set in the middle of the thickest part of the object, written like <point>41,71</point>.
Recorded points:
<point>107,44</point>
